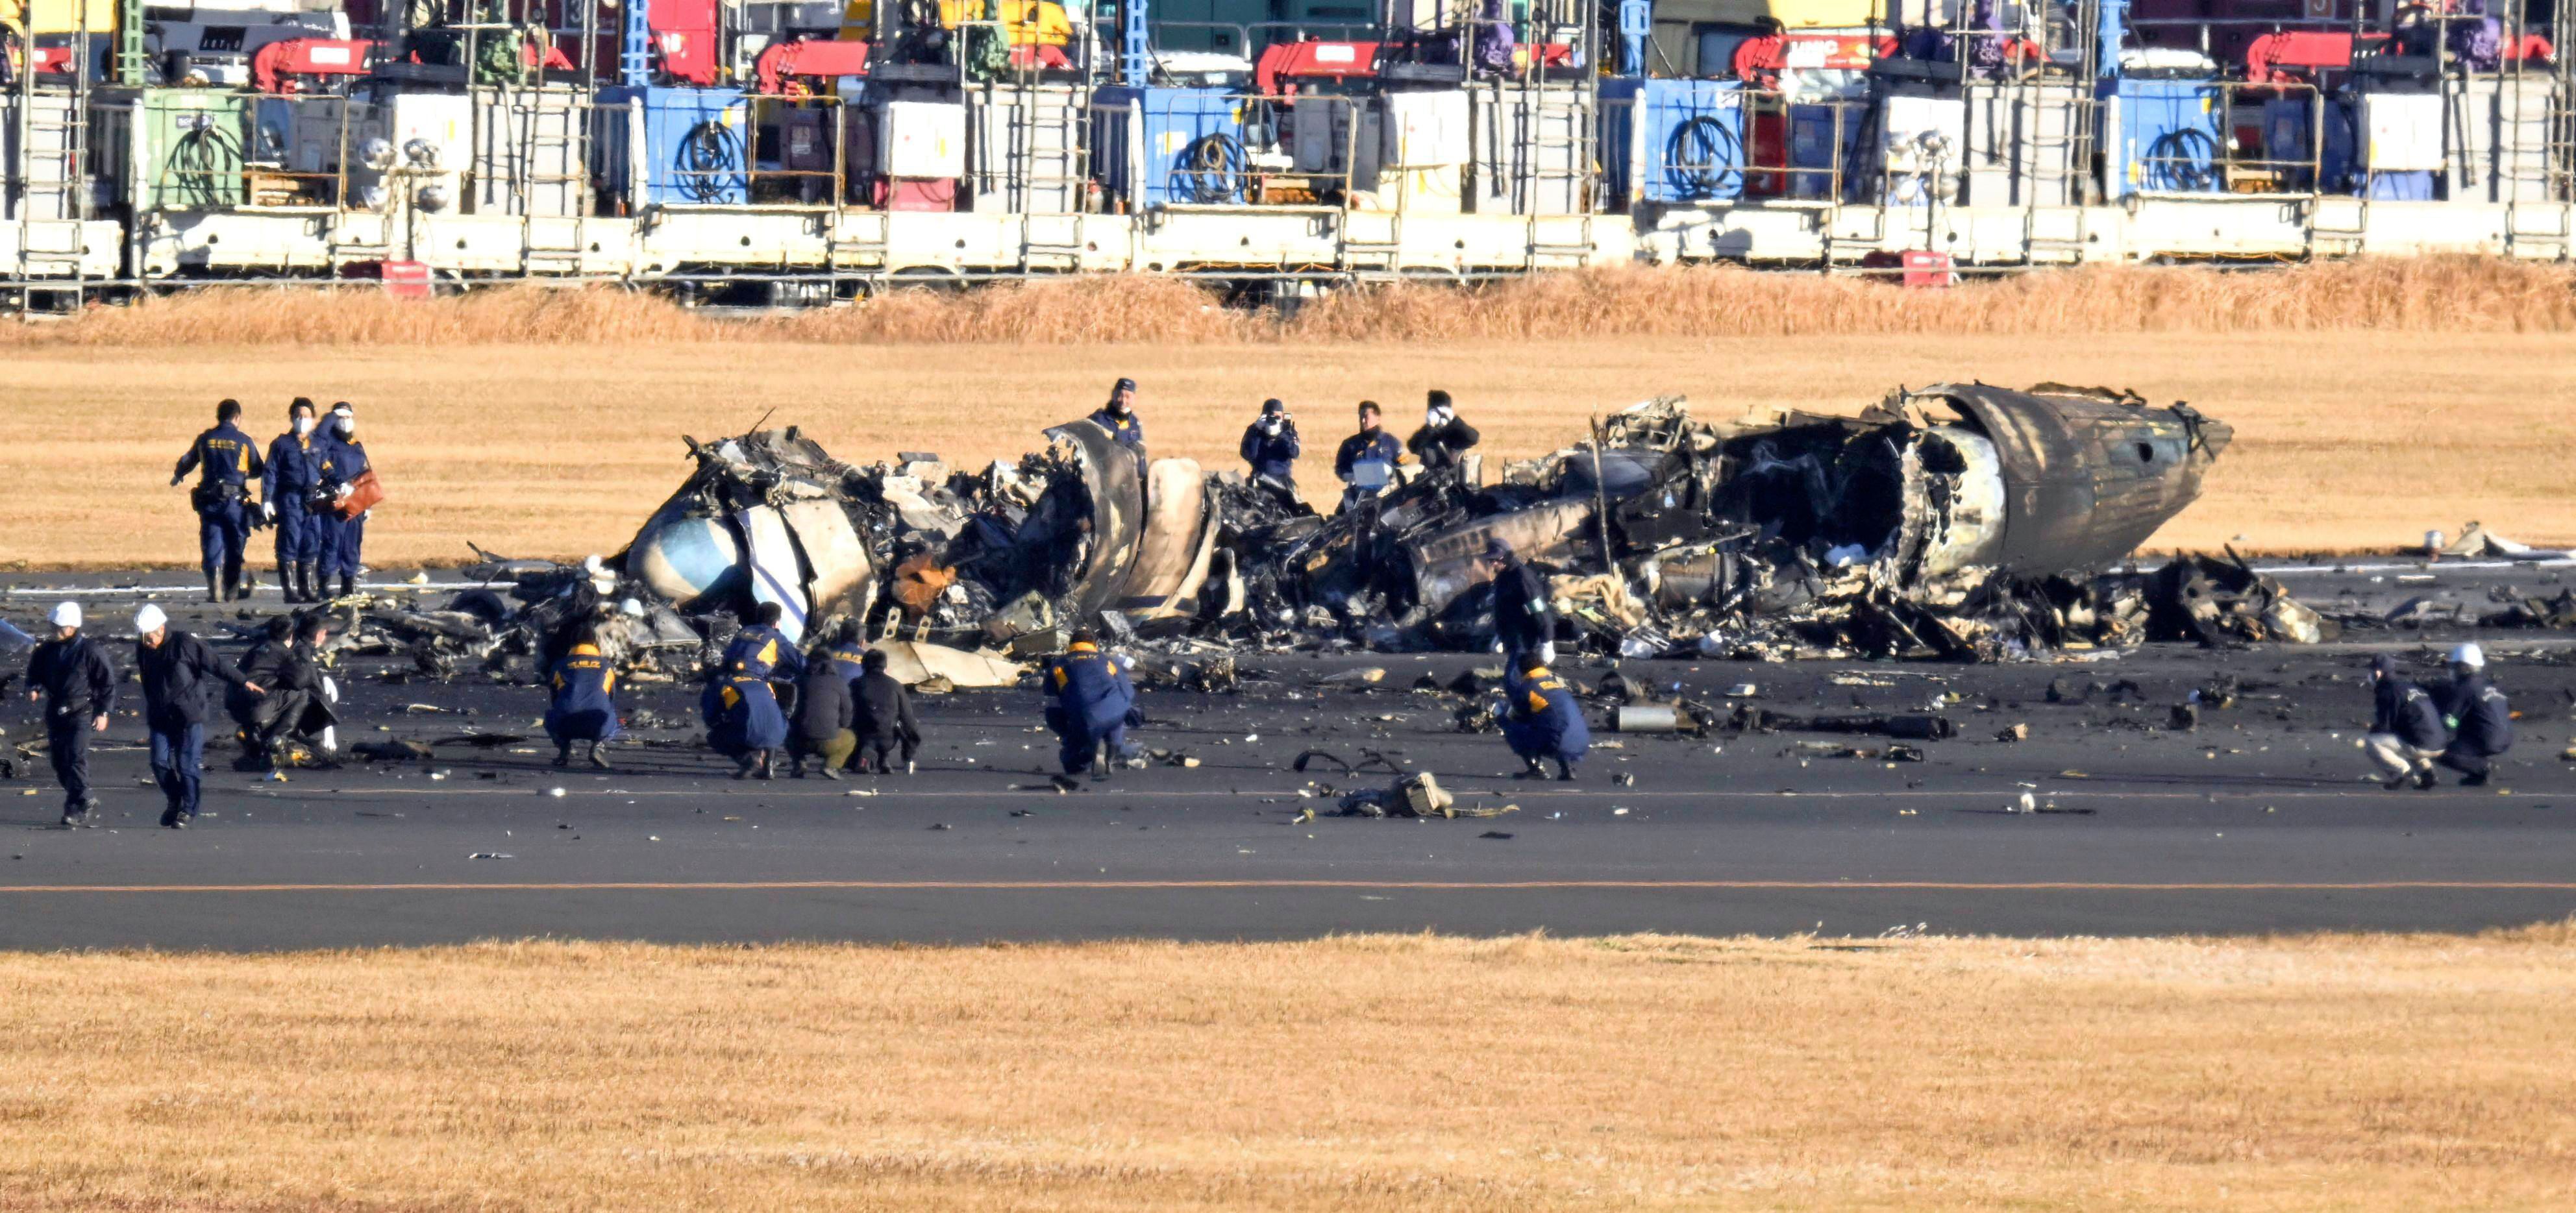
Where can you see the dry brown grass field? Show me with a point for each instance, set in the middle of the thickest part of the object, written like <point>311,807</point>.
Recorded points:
<point>2345,439</point>
<point>2333,1072</point>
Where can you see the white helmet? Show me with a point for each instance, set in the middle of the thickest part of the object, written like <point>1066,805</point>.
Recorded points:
<point>67,615</point>
<point>2469,655</point>
<point>150,619</point>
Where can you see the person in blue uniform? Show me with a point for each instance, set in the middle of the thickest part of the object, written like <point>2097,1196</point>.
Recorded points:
<point>225,461</point>
<point>1270,449</point>
<point>176,670</point>
<point>760,650</point>
<point>744,723</point>
<point>344,459</point>
<point>1093,702</point>
<point>2480,717</point>
<point>78,686</point>
<point>1120,419</point>
<point>286,501</point>
<point>1544,722</point>
<point>581,708</point>
<point>2406,730</point>
<point>1366,462</point>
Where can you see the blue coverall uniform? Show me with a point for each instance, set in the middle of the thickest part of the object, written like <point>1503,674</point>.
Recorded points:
<point>850,660</point>
<point>1092,699</point>
<point>79,686</point>
<point>1272,455</point>
<point>1367,446</point>
<point>742,716</point>
<point>1545,722</point>
<point>581,709</point>
<point>294,470</point>
<point>2484,727</point>
<point>342,539</point>
<point>225,460</point>
<point>1128,430</point>
<point>759,651</point>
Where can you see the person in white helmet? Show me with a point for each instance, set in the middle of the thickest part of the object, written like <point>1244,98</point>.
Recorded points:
<point>78,686</point>
<point>176,670</point>
<point>2481,720</point>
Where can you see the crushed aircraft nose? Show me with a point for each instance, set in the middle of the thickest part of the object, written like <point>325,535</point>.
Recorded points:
<point>1957,521</point>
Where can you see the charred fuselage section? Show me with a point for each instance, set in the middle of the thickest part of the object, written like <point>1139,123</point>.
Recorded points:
<point>1955,520</point>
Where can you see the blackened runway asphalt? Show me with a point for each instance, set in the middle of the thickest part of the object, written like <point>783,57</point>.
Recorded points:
<point>2256,821</point>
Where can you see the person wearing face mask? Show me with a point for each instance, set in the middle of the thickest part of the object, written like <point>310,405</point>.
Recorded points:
<point>1120,419</point>
<point>344,466</point>
<point>225,460</point>
<point>286,501</point>
<point>1444,440</point>
<point>1270,445</point>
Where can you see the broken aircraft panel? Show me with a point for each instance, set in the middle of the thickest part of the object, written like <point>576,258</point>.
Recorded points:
<point>1939,521</point>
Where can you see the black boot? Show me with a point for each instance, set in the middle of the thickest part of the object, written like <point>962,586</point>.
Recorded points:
<point>765,771</point>
<point>232,581</point>
<point>299,579</point>
<point>214,587</point>
<point>348,584</point>
<point>563,753</point>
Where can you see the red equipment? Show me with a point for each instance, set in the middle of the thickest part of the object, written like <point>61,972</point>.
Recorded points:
<point>2296,56</point>
<point>54,60</point>
<point>1313,61</point>
<point>274,67</point>
<point>786,61</point>
<point>1759,61</point>
<point>686,34</point>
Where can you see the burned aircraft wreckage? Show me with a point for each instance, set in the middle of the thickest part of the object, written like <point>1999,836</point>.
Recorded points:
<point>1957,521</point>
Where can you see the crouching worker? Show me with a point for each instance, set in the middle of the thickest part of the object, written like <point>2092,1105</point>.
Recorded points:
<point>2406,731</point>
<point>176,670</point>
<point>744,723</point>
<point>2481,720</point>
<point>287,661</point>
<point>884,718</point>
<point>823,714</point>
<point>1544,722</point>
<point>581,709</point>
<point>1093,703</point>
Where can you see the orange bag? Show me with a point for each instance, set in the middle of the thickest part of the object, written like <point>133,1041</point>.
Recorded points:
<point>364,493</point>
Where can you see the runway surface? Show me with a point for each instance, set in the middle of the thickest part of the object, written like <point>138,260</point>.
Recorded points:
<point>2256,821</point>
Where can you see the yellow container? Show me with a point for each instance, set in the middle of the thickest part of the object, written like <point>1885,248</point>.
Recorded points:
<point>43,17</point>
<point>1791,14</point>
<point>1029,22</point>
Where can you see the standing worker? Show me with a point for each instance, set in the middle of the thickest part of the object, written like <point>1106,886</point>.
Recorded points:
<point>344,462</point>
<point>1270,445</point>
<point>1443,441</point>
<point>176,668</point>
<point>581,708</point>
<point>823,718</point>
<point>1093,702</point>
<point>286,499</point>
<point>884,719</point>
<point>1544,721</point>
<point>1366,462</point>
<point>1524,619</point>
<point>2481,719</point>
<point>79,688</point>
<point>2406,731</point>
<point>225,462</point>
<point>1119,417</point>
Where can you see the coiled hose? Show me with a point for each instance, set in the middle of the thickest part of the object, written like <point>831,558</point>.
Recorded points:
<point>1704,159</point>
<point>2183,160</point>
<point>1211,170</point>
<point>707,165</point>
<point>200,161</point>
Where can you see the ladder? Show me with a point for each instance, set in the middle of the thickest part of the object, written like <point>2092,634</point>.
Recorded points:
<point>49,183</point>
<point>549,177</point>
<point>1049,169</point>
<point>855,240</point>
